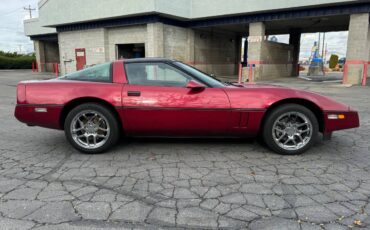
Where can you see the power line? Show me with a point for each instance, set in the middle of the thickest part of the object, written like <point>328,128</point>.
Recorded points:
<point>29,9</point>
<point>10,12</point>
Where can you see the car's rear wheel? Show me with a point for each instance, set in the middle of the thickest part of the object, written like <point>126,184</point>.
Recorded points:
<point>91,128</point>
<point>290,129</point>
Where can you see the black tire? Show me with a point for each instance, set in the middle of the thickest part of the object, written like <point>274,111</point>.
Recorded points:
<point>274,115</point>
<point>111,139</point>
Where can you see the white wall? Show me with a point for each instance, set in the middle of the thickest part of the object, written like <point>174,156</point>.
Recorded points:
<point>124,35</point>
<point>91,40</point>
<point>34,27</point>
<point>98,43</point>
<point>211,8</point>
<point>57,12</point>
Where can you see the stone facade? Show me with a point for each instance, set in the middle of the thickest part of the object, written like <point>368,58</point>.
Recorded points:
<point>213,52</point>
<point>93,41</point>
<point>358,47</point>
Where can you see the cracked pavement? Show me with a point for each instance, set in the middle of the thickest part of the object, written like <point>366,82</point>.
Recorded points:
<point>182,184</point>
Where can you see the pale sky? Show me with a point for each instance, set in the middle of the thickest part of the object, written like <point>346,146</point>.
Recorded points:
<point>12,36</point>
<point>12,14</point>
<point>336,43</point>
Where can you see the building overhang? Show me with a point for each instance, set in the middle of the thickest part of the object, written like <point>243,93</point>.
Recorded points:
<point>61,16</point>
<point>322,19</point>
<point>34,27</point>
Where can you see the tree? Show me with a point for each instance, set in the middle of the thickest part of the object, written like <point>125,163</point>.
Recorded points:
<point>333,61</point>
<point>16,61</point>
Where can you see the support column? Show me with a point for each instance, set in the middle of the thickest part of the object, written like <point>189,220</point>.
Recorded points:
<point>40,55</point>
<point>295,41</point>
<point>357,47</point>
<point>190,55</point>
<point>155,40</point>
<point>368,46</point>
<point>255,45</point>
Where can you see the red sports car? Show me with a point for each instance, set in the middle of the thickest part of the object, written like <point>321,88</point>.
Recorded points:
<point>167,98</point>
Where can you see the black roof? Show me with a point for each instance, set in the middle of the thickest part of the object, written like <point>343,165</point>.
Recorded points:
<point>149,60</point>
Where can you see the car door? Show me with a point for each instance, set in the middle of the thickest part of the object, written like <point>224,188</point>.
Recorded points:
<point>156,102</point>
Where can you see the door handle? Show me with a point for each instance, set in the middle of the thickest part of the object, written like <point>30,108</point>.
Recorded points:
<point>133,93</point>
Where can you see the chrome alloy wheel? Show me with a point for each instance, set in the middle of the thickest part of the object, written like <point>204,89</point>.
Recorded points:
<point>90,129</point>
<point>292,131</point>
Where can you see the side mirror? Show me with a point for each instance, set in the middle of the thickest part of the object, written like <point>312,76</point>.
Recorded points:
<point>194,85</point>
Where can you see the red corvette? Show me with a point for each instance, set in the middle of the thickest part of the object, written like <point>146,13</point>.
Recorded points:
<point>166,98</point>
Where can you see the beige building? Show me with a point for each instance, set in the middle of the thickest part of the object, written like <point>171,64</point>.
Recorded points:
<point>207,34</point>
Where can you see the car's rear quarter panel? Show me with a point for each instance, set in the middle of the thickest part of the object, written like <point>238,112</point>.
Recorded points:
<point>55,94</point>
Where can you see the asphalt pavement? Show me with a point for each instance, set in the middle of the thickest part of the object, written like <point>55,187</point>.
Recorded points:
<point>183,184</point>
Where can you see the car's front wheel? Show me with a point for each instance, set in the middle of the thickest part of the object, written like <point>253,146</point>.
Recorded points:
<point>290,129</point>
<point>91,128</point>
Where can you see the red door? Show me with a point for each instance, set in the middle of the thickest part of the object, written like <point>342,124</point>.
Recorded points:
<point>80,58</point>
<point>157,103</point>
<point>168,111</point>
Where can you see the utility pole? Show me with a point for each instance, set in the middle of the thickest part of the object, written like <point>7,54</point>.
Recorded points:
<point>29,9</point>
<point>319,45</point>
<point>323,47</point>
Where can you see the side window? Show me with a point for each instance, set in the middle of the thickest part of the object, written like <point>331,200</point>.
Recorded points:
<point>97,73</point>
<point>155,74</point>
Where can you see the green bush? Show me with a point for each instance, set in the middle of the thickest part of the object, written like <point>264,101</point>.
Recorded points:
<point>333,61</point>
<point>16,61</point>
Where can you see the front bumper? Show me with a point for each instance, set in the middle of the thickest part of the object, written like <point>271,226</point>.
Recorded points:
<point>350,120</point>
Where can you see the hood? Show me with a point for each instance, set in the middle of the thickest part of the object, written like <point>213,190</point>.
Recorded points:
<point>262,96</point>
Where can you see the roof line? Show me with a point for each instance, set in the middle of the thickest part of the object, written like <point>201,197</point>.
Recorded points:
<point>346,9</point>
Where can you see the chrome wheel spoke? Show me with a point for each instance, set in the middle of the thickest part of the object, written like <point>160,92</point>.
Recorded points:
<point>102,129</point>
<point>77,130</point>
<point>304,131</point>
<point>281,137</point>
<point>279,130</point>
<point>81,123</point>
<point>93,117</point>
<point>88,140</point>
<point>287,141</point>
<point>300,137</point>
<point>302,124</point>
<point>294,142</point>
<point>94,139</point>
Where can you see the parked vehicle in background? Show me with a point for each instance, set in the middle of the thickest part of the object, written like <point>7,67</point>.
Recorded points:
<point>341,62</point>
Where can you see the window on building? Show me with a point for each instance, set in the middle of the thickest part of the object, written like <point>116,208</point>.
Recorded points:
<point>155,74</point>
<point>127,51</point>
<point>97,73</point>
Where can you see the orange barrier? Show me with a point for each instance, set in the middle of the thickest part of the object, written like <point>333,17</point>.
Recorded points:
<point>240,73</point>
<point>364,76</point>
<point>56,69</point>
<point>35,67</point>
<point>53,65</point>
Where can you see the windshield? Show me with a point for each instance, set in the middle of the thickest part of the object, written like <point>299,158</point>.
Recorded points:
<point>96,73</point>
<point>200,75</point>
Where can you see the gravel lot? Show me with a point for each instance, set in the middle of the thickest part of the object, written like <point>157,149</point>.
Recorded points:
<point>197,184</point>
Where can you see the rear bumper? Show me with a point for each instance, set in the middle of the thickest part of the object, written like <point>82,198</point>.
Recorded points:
<point>47,116</point>
<point>350,121</point>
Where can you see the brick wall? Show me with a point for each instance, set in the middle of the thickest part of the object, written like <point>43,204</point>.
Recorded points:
<point>124,35</point>
<point>92,40</point>
<point>216,52</point>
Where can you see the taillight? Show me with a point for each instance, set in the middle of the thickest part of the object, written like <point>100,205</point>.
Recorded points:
<point>21,93</point>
